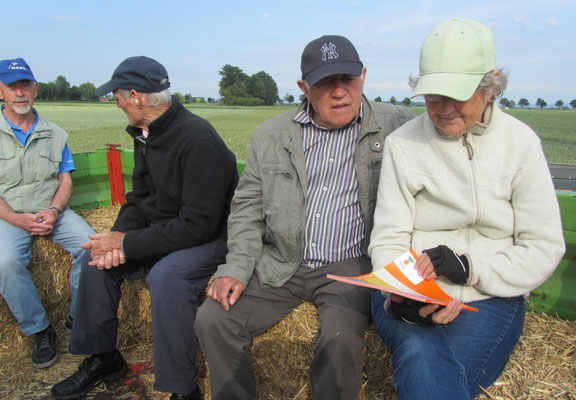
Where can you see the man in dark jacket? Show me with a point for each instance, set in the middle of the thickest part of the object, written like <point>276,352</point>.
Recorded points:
<point>171,230</point>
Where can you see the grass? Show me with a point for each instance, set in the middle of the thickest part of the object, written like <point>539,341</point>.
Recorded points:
<point>93,125</point>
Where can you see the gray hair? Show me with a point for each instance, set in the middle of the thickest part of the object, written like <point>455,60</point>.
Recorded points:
<point>163,98</point>
<point>493,82</point>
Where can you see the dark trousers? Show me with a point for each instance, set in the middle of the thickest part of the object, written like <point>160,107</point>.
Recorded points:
<point>175,282</point>
<point>343,311</point>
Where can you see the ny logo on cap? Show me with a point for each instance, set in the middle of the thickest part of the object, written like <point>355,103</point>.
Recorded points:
<point>329,51</point>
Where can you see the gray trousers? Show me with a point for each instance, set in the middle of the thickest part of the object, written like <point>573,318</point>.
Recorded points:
<point>175,282</point>
<point>343,311</point>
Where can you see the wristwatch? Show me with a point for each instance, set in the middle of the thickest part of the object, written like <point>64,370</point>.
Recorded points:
<point>57,209</point>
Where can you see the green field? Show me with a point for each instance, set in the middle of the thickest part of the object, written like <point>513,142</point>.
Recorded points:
<point>93,125</point>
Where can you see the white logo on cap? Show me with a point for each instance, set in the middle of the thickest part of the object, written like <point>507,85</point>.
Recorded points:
<point>329,51</point>
<point>16,65</point>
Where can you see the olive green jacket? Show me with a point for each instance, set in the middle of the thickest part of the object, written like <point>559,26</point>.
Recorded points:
<point>267,220</point>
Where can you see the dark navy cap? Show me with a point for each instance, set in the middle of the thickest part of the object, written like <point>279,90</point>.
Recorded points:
<point>143,74</point>
<point>329,55</point>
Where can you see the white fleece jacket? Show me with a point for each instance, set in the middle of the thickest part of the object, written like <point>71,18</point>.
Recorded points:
<point>487,194</point>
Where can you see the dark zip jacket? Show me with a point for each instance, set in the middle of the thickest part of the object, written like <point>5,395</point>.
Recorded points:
<point>182,184</point>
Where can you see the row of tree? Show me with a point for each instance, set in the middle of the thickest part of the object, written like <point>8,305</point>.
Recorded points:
<point>539,102</point>
<point>236,88</point>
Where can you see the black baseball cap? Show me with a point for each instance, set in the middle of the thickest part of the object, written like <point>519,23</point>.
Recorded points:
<point>329,55</point>
<point>140,73</point>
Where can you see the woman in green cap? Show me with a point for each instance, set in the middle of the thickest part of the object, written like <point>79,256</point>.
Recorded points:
<point>466,186</point>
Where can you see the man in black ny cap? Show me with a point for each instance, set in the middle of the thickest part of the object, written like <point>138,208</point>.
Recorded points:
<point>171,231</point>
<point>303,208</point>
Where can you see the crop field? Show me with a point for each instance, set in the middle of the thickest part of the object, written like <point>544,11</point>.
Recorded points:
<point>93,125</point>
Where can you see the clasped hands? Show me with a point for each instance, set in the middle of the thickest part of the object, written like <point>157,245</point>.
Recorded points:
<point>440,260</point>
<point>105,249</point>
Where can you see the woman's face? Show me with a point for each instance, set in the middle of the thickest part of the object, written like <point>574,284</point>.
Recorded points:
<point>455,117</point>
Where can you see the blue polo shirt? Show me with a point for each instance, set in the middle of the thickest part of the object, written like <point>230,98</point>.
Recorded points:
<point>67,163</point>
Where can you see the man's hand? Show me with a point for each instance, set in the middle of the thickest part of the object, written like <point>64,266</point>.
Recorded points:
<point>102,246</point>
<point>113,258</point>
<point>226,291</point>
<point>39,224</point>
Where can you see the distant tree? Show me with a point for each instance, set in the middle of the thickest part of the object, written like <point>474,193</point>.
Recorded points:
<point>180,96</point>
<point>288,98</point>
<point>523,102</point>
<point>302,97</point>
<point>511,104</point>
<point>189,99</point>
<point>378,99</point>
<point>559,103</point>
<point>211,100</point>
<point>262,86</point>
<point>541,103</point>
<point>74,93</point>
<point>47,91</point>
<point>573,103</point>
<point>62,87</point>
<point>88,91</point>
<point>392,100</point>
<point>407,101</point>
<point>233,84</point>
<point>504,102</point>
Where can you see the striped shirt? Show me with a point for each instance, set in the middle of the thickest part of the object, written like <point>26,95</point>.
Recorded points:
<point>334,222</point>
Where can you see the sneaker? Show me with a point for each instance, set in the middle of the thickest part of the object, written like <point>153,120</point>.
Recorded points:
<point>68,323</point>
<point>45,351</point>
<point>91,372</point>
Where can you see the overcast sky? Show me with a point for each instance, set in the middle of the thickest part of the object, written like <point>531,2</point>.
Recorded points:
<point>86,40</point>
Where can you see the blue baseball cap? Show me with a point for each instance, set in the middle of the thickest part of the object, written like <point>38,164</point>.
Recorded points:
<point>140,73</point>
<point>15,70</point>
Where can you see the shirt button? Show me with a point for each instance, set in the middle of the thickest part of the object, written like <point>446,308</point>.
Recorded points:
<point>331,159</point>
<point>324,188</point>
<point>318,215</point>
<point>313,244</point>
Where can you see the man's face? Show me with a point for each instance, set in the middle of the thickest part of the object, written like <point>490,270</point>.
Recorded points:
<point>19,96</point>
<point>335,99</point>
<point>129,106</point>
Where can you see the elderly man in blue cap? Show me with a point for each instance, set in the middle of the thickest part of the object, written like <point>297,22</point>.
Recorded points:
<point>171,231</point>
<point>35,189</point>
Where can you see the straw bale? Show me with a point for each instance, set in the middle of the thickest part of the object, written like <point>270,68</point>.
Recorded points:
<point>542,366</point>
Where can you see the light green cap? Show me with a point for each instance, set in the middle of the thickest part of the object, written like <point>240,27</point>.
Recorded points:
<point>454,58</point>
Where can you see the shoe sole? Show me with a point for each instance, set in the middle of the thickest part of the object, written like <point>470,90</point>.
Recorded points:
<point>46,364</point>
<point>107,379</point>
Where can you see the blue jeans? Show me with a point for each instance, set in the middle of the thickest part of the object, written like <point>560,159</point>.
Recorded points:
<point>16,285</point>
<point>451,361</point>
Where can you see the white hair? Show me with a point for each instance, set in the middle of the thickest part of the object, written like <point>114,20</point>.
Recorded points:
<point>163,98</point>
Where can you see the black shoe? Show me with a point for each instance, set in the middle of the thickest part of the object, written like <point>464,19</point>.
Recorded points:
<point>45,351</point>
<point>68,323</point>
<point>91,372</point>
<point>195,395</point>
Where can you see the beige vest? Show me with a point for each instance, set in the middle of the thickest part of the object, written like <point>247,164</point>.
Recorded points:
<point>29,174</point>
